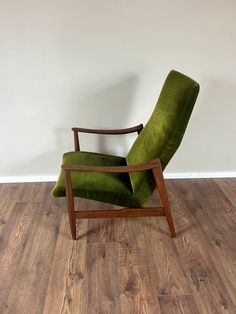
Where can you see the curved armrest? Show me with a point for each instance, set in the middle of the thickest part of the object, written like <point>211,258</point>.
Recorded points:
<point>155,163</point>
<point>136,128</point>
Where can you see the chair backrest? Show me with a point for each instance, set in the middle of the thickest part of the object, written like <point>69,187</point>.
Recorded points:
<point>164,131</point>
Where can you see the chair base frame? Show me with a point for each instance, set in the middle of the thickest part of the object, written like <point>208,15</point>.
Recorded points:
<point>154,165</point>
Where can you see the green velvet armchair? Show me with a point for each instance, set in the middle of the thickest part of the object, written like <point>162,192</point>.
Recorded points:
<point>129,181</point>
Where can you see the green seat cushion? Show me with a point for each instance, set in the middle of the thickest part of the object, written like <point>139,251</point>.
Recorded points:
<point>105,187</point>
<point>164,131</point>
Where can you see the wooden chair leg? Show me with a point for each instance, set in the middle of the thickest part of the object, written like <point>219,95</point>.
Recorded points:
<point>70,205</point>
<point>161,187</point>
<point>72,218</point>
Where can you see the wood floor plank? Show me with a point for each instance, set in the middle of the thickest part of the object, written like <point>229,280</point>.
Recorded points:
<point>5,213</point>
<point>34,268</point>
<point>12,193</point>
<point>30,192</point>
<point>99,230</point>
<point>228,187</point>
<point>56,286</point>
<point>208,287</point>
<point>9,194</point>
<point>75,297</point>
<point>130,237</point>
<point>167,268</point>
<point>213,207</point>
<point>181,304</point>
<point>231,220</point>
<point>35,191</point>
<point>192,189</point>
<point>13,240</point>
<point>6,191</point>
<point>49,202</point>
<point>226,269</point>
<point>216,228</point>
<point>137,294</point>
<point>16,190</point>
<point>102,283</point>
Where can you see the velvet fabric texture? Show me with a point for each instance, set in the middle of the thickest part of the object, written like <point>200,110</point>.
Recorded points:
<point>164,131</point>
<point>160,138</point>
<point>105,187</point>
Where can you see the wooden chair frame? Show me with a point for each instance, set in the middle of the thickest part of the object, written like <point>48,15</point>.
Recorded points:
<point>153,165</point>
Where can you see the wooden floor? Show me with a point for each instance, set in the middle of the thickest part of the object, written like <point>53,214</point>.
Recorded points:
<point>119,265</point>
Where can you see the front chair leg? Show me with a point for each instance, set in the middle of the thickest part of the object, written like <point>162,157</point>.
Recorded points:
<point>72,219</point>
<point>70,204</point>
<point>161,187</point>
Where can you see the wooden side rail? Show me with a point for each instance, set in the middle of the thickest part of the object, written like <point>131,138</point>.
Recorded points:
<point>155,163</point>
<point>118,213</point>
<point>138,128</point>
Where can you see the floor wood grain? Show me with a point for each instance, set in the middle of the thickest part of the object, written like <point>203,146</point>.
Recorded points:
<point>129,266</point>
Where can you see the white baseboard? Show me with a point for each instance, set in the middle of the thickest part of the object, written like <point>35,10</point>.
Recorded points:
<point>170,175</point>
<point>20,179</point>
<point>199,175</point>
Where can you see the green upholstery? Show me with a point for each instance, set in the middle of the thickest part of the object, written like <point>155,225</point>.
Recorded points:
<point>164,131</point>
<point>106,187</point>
<point>159,139</point>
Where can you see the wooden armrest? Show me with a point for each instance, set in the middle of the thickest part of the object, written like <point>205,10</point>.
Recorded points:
<point>138,128</point>
<point>113,169</point>
<point>111,132</point>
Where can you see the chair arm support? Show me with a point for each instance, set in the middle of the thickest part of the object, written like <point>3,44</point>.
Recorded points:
<point>138,128</point>
<point>155,163</point>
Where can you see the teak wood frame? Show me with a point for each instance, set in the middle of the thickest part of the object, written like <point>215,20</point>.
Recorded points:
<point>153,165</point>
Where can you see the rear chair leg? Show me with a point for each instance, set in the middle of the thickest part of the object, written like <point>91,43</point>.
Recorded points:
<point>161,187</point>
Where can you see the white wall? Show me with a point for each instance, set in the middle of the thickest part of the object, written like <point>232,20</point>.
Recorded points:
<point>102,63</point>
